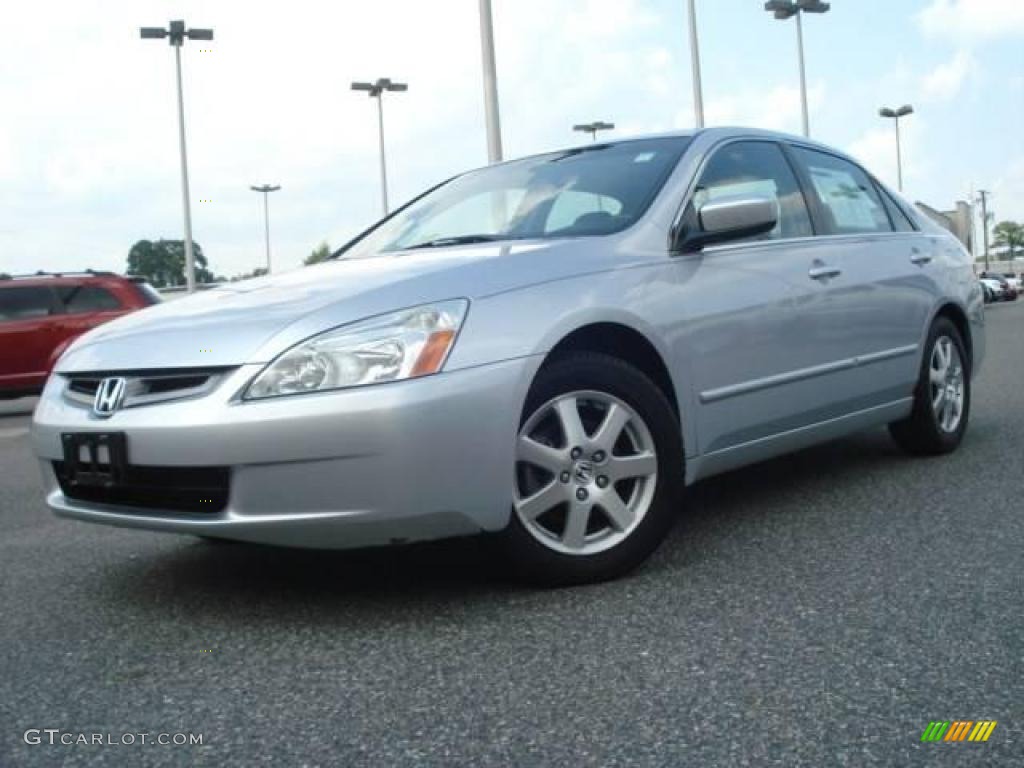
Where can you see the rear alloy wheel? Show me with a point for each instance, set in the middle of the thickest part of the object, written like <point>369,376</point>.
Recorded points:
<point>598,468</point>
<point>942,397</point>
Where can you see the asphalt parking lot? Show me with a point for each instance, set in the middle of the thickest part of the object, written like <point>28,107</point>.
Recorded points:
<point>815,610</point>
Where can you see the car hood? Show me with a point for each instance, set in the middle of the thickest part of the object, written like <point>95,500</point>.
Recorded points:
<point>252,321</point>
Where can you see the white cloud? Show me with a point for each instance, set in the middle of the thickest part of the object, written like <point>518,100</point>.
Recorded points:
<point>966,21</point>
<point>876,151</point>
<point>945,81</point>
<point>1008,191</point>
<point>772,109</point>
<point>91,114</point>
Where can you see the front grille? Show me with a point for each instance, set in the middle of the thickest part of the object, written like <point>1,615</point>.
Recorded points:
<point>198,490</point>
<point>146,387</point>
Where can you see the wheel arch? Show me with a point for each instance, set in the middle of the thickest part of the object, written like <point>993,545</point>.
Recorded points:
<point>634,347</point>
<point>625,343</point>
<point>956,315</point>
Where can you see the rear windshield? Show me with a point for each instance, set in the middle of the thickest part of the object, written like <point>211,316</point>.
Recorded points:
<point>149,294</point>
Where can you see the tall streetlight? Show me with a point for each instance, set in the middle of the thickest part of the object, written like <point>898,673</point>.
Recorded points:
<point>784,9</point>
<point>376,91</point>
<point>985,216</point>
<point>266,189</point>
<point>491,118</point>
<point>895,115</point>
<point>698,93</point>
<point>177,33</point>
<point>594,127</point>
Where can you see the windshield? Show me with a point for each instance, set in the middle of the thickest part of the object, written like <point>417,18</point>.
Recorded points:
<point>588,191</point>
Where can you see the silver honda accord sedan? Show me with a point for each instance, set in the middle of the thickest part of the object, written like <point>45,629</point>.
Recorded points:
<point>546,350</point>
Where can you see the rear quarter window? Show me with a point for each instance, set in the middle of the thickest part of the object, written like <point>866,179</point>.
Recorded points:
<point>78,299</point>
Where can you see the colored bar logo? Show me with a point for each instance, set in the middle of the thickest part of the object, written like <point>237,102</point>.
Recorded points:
<point>958,730</point>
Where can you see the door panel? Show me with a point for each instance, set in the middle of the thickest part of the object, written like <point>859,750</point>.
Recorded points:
<point>881,295</point>
<point>27,334</point>
<point>758,339</point>
<point>743,345</point>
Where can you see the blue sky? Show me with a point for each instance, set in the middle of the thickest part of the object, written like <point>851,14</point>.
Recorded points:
<point>88,146</point>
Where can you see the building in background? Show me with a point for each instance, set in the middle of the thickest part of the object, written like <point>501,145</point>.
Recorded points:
<point>958,221</point>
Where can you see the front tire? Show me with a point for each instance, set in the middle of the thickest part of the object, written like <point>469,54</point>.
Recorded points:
<point>599,470</point>
<point>942,398</point>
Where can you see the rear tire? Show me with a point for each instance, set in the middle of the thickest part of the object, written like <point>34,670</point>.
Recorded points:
<point>595,493</point>
<point>942,397</point>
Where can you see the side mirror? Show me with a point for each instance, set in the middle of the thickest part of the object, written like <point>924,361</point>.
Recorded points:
<point>731,218</point>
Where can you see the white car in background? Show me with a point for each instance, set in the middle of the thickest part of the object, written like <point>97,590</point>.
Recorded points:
<point>993,289</point>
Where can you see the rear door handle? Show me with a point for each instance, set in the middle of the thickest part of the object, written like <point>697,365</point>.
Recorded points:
<point>919,258</point>
<point>823,272</point>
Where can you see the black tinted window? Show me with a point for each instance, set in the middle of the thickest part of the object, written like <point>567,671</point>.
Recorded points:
<point>849,200</point>
<point>21,303</point>
<point>87,298</point>
<point>755,169</point>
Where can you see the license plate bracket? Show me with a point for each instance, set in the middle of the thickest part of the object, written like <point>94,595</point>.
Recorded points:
<point>95,458</point>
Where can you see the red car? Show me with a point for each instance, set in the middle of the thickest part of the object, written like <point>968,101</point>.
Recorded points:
<point>41,314</point>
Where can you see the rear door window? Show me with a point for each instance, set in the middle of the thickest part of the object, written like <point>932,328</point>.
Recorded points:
<point>79,299</point>
<point>24,303</point>
<point>847,197</point>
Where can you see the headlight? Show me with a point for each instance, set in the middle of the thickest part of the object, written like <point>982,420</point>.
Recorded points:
<point>401,345</point>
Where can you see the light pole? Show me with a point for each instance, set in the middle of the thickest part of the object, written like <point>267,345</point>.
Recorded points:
<point>895,115</point>
<point>376,91</point>
<point>266,189</point>
<point>784,9</point>
<point>491,117</point>
<point>698,93</point>
<point>594,127</point>
<point>177,33</point>
<point>983,194</point>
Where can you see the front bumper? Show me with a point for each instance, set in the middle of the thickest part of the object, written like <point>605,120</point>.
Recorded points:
<point>414,460</point>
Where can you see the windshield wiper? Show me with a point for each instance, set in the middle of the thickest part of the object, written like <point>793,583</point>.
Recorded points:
<point>440,242</point>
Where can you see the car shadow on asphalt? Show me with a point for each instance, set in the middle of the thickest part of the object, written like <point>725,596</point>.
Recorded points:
<point>206,577</point>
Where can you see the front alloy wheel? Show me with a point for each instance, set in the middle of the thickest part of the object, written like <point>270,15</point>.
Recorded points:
<point>587,469</point>
<point>598,470</point>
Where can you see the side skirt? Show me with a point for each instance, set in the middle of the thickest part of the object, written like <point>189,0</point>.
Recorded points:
<point>763,448</point>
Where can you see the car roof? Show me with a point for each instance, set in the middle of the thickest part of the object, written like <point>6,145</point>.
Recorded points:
<point>61,278</point>
<point>720,133</point>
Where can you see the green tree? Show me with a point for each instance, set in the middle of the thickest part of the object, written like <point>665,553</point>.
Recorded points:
<point>1009,234</point>
<point>321,253</point>
<point>162,262</point>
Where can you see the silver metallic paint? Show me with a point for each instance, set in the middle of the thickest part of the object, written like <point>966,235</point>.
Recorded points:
<point>739,323</point>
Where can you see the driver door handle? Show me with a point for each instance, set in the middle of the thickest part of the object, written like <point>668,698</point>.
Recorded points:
<point>823,272</point>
